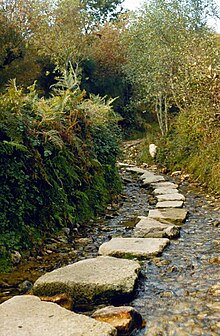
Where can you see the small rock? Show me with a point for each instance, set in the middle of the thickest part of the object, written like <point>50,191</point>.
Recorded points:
<point>215,289</point>
<point>15,257</point>
<point>125,319</point>
<point>25,286</point>
<point>214,306</point>
<point>64,300</point>
<point>84,241</point>
<point>215,260</point>
<point>216,223</point>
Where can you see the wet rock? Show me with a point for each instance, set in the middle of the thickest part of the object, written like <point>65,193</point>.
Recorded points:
<point>28,315</point>
<point>136,170</point>
<point>215,260</point>
<point>25,286</point>
<point>91,281</point>
<point>169,204</point>
<point>215,289</point>
<point>151,228</point>
<point>15,257</point>
<point>134,247</point>
<point>214,306</point>
<point>125,319</point>
<point>84,241</point>
<point>64,300</point>
<point>159,262</point>
<point>216,223</point>
<point>176,216</point>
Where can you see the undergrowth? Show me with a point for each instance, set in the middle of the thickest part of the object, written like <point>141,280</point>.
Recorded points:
<point>57,162</point>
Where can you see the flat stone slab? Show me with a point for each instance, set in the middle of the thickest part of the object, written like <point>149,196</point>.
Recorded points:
<point>165,190</point>
<point>149,177</point>
<point>27,315</point>
<point>142,248</point>
<point>170,197</point>
<point>165,184</point>
<point>169,204</point>
<point>136,170</point>
<point>176,216</point>
<point>90,281</point>
<point>151,228</point>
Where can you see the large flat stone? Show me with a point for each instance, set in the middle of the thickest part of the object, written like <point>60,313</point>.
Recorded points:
<point>136,170</point>
<point>165,184</point>
<point>169,204</point>
<point>90,281</point>
<point>176,216</point>
<point>170,197</point>
<point>150,179</point>
<point>27,315</point>
<point>151,228</point>
<point>142,248</point>
<point>165,190</point>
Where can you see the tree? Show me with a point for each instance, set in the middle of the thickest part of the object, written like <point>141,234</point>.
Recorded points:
<point>168,54</point>
<point>98,12</point>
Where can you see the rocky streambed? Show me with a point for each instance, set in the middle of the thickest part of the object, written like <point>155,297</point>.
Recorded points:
<point>178,293</point>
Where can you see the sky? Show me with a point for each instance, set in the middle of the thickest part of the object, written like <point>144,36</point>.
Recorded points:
<point>134,4</point>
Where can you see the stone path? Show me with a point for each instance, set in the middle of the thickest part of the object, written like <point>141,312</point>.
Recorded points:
<point>100,279</point>
<point>88,281</point>
<point>27,315</point>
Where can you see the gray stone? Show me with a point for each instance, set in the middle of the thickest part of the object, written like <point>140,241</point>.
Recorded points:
<point>169,204</point>
<point>133,247</point>
<point>27,315</point>
<point>170,197</point>
<point>90,281</point>
<point>176,216</point>
<point>151,228</point>
<point>164,184</point>
<point>149,177</point>
<point>136,170</point>
<point>165,190</point>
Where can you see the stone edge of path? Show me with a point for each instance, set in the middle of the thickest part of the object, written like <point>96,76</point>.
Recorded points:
<point>89,281</point>
<point>141,248</point>
<point>164,215</point>
<point>28,315</point>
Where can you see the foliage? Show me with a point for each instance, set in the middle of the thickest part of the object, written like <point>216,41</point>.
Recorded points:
<point>49,163</point>
<point>168,54</point>
<point>173,63</point>
<point>98,12</point>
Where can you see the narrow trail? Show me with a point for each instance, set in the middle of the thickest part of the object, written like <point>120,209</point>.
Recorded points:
<point>178,293</point>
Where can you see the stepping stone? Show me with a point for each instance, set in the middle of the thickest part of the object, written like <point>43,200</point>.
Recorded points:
<point>162,191</point>
<point>27,315</point>
<point>149,177</point>
<point>142,248</point>
<point>169,204</point>
<point>170,197</point>
<point>169,185</point>
<point>136,170</point>
<point>90,281</point>
<point>151,228</point>
<point>176,216</point>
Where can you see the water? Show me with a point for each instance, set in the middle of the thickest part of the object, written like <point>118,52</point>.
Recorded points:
<point>177,293</point>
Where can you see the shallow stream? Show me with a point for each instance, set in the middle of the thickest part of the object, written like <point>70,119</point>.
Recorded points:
<point>178,293</point>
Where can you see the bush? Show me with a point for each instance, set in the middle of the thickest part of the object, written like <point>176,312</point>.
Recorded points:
<point>57,162</point>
